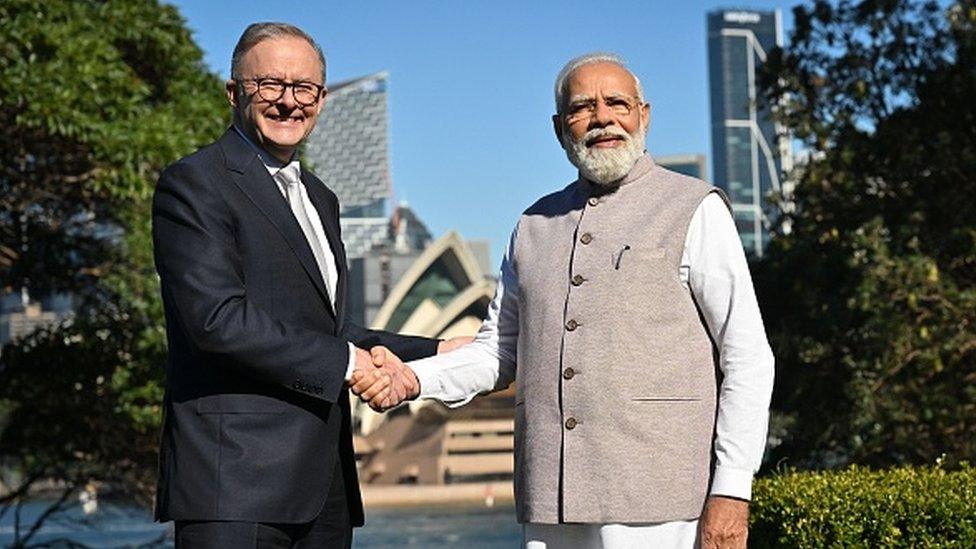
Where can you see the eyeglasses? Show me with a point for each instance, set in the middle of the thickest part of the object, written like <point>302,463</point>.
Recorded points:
<point>306,94</point>
<point>584,109</point>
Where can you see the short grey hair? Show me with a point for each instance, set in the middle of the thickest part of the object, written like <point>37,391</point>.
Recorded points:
<point>256,33</point>
<point>589,59</point>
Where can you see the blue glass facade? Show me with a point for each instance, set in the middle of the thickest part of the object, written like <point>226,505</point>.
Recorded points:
<point>688,164</point>
<point>748,157</point>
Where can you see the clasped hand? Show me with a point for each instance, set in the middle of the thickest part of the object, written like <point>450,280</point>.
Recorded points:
<point>382,380</point>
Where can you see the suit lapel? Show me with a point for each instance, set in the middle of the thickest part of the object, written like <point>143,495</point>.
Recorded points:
<point>326,207</point>
<point>253,179</point>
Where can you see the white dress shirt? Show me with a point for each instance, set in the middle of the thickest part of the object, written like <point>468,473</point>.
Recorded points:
<point>714,269</point>
<point>273,165</point>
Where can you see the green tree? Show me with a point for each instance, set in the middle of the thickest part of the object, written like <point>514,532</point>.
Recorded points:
<point>870,298</point>
<point>96,97</point>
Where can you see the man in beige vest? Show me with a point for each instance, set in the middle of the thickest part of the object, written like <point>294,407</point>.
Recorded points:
<point>626,312</point>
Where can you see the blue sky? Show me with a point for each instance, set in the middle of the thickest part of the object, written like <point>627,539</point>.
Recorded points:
<point>471,86</point>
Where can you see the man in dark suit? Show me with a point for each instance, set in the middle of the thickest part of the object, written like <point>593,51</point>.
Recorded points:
<point>256,446</point>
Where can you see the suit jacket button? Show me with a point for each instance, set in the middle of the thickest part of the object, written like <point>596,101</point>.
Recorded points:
<point>586,238</point>
<point>593,201</point>
<point>578,280</point>
<point>572,324</point>
<point>571,423</point>
<point>568,373</point>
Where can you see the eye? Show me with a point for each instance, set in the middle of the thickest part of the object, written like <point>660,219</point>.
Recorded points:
<point>271,85</point>
<point>575,108</point>
<point>619,105</point>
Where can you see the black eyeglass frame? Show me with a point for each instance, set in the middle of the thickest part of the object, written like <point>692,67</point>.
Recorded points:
<point>321,90</point>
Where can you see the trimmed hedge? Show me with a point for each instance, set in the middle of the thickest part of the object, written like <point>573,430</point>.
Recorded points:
<point>858,507</point>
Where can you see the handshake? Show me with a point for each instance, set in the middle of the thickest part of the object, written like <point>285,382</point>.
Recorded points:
<point>383,381</point>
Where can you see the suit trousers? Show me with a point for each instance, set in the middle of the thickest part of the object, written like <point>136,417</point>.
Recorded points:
<point>330,530</point>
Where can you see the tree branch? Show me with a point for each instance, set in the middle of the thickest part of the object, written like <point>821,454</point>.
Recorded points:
<point>51,509</point>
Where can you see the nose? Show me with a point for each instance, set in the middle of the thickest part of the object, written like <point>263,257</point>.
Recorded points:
<point>602,116</point>
<point>287,99</point>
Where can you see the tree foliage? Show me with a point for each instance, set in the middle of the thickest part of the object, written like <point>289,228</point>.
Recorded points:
<point>96,98</point>
<point>870,298</point>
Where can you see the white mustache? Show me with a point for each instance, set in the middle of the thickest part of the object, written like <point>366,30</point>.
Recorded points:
<point>596,133</point>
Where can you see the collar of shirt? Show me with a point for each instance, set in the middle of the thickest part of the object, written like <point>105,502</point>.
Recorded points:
<point>272,164</point>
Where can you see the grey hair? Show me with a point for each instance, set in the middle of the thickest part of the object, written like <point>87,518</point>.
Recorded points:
<point>256,33</point>
<point>589,59</point>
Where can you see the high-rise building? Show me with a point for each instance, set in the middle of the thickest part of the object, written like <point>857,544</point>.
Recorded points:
<point>349,150</point>
<point>20,315</point>
<point>750,152</point>
<point>688,164</point>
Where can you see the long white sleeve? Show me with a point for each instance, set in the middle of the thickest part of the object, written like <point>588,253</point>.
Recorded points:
<point>488,363</point>
<point>715,270</point>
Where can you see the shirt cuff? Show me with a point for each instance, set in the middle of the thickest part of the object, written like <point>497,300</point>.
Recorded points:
<point>352,362</point>
<point>736,483</point>
<point>430,384</point>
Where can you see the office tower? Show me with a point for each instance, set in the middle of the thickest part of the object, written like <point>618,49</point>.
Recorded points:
<point>687,164</point>
<point>349,150</point>
<point>749,151</point>
<point>20,314</point>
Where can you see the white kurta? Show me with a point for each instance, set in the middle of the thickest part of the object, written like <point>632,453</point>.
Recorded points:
<point>714,269</point>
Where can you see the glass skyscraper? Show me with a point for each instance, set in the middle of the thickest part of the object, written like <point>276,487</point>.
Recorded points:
<point>687,164</point>
<point>749,156</point>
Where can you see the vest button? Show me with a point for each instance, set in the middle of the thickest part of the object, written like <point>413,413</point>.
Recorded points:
<point>578,280</point>
<point>586,238</point>
<point>593,201</point>
<point>571,423</point>
<point>568,373</point>
<point>572,324</point>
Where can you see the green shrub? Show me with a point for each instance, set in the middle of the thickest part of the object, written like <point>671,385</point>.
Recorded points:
<point>858,507</point>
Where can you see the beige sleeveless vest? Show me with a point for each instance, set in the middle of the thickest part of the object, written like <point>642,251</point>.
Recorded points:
<point>616,381</point>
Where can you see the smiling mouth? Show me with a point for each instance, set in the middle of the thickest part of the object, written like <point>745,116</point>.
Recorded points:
<point>284,119</point>
<point>605,141</point>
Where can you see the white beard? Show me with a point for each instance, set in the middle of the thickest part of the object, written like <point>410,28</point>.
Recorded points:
<point>604,166</point>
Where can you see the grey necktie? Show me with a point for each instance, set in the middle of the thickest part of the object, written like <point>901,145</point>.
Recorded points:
<point>290,177</point>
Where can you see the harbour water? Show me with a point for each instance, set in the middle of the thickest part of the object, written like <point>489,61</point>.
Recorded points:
<point>440,527</point>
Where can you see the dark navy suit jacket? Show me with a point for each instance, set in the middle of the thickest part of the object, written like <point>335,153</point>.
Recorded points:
<point>256,411</point>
